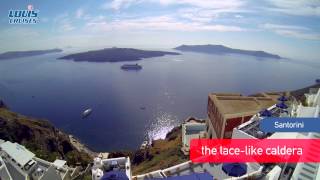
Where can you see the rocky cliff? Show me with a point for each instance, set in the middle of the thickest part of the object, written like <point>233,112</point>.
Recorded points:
<point>40,137</point>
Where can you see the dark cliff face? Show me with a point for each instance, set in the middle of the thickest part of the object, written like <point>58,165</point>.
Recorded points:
<point>161,154</point>
<point>40,137</point>
<point>2,105</point>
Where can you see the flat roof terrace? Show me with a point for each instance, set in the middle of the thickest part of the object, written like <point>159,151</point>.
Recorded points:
<point>237,104</point>
<point>18,152</point>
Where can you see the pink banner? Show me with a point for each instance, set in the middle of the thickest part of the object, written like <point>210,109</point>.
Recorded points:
<point>255,150</point>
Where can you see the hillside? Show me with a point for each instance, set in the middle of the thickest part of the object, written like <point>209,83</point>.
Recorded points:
<point>115,55</point>
<point>40,137</point>
<point>163,153</point>
<point>220,49</point>
<point>20,54</point>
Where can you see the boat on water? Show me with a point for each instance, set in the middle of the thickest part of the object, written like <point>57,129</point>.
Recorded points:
<point>142,108</point>
<point>131,67</point>
<point>144,145</point>
<point>86,113</point>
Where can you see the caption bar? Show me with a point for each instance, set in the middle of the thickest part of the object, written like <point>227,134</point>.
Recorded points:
<point>255,150</point>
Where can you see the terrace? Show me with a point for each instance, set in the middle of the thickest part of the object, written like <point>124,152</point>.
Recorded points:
<point>22,164</point>
<point>114,167</point>
<point>192,129</point>
<point>188,168</point>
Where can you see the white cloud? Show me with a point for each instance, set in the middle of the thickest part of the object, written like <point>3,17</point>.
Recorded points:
<point>197,15</point>
<point>167,23</point>
<point>44,19</point>
<point>79,13</point>
<point>118,4</point>
<point>207,15</point>
<point>63,23</point>
<point>199,12</point>
<point>292,7</point>
<point>299,32</point>
<point>19,32</point>
<point>66,26</point>
<point>214,4</point>
<point>297,7</point>
<point>281,26</point>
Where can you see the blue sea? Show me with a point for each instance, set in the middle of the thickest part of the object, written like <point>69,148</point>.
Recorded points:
<point>129,106</point>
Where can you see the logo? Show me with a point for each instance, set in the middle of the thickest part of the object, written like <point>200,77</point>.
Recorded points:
<point>28,16</point>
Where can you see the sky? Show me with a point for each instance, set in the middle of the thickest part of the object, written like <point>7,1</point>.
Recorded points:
<point>290,28</point>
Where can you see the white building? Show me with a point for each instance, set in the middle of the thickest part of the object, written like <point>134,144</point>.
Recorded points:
<point>313,105</point>
<point>18,163</point>
<point>192,129</point>
<point>4,172</point>
<point>187,168</point>
<point>103,167</point>
<point>251,129</point>
<point>313,97</point>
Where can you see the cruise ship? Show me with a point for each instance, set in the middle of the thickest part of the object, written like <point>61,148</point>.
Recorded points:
<point>131,67</point>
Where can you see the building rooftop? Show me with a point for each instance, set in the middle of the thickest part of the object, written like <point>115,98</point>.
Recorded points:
<point>21,164</point>
<point>313,97</point>
<point>4,172</point>
<point>18,152</point>
<point>235,103</point>
<point>303,111</point>
<point>59,163</point>
<point>104,166</point>
<point>188,168</point>
<point>14,173</point>
<point>266,102</point>
<point>2,141</point>
<point>273,95</point>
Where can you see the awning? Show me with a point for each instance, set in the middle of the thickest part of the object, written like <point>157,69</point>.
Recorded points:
<point>115,175</point>
<point>265,113</point>
<point>234,169</point>
<point>193,176</point>
<point>282,98</point>
<point>282,105</point>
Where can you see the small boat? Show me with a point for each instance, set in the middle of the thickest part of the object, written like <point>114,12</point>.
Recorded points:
<point>131,67</point>
<point>144,145</point>
<point>142,108</point>
<point>86,113</point>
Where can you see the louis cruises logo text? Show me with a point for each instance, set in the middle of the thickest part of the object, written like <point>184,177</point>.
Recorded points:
<point>28,16</point>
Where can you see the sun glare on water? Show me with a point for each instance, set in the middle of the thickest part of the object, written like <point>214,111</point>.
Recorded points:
<point>164,123</point>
